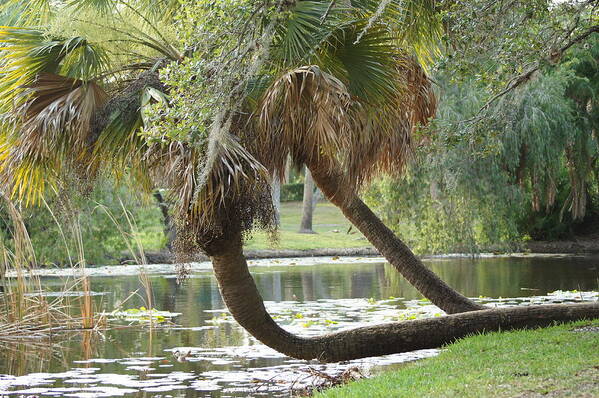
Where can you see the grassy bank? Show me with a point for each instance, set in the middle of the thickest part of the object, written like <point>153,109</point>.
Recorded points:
<point>551,362</point>
<point>330,225</point>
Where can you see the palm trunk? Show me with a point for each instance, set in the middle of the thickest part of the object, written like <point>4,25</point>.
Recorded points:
<point>241,296</point>
<point>307,205</point>
<point>388,244</point>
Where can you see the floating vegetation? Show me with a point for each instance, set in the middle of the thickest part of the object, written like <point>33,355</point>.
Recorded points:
<point>208,354</point>
<point>142,315</point>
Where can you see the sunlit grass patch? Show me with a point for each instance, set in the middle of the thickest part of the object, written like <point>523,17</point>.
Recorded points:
<point>556,360</point>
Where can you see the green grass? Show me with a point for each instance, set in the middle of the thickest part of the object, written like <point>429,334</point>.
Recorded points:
<point>552,362</point>
<point>327,219</point>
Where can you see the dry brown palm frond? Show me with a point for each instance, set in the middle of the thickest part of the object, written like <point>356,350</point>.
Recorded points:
<point>382,139</point>
<point>305,114</point>
<point>202,210</point>
<point>308,113</point>
<point>58,114</point>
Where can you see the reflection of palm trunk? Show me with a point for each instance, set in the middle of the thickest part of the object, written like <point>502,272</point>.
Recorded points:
<point>389,245</point>
<point>169,228</point>
<point>307,286</point>
<point>239,292</point>
<point>308,205</point>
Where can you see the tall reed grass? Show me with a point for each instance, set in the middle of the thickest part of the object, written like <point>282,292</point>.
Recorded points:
<point>26,311</point>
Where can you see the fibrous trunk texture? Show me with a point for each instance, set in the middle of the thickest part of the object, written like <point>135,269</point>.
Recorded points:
<point>241,296</point>
<point>388,244</point>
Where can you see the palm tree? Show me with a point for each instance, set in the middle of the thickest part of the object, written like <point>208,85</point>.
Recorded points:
<point>99,128</point>
<point>341,92</point>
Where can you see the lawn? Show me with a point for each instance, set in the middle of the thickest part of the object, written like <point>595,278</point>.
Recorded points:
<point>330,225</point>
<point>551,362</point>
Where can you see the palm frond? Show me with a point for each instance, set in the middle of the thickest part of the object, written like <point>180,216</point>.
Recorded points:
<point>102,6</point>
<point>366,66</point>
<point>308,113</point>
<point>303,31</point>
<point>25,53</point>
<point>382,139</point>
<point>31,12</point>
<point>202,207</point>
<point>49,129</point>
<point>115,133</point>
<point>416,24</point>
<point>305,114</point>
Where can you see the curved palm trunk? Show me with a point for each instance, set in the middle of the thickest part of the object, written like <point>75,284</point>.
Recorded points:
<point>388,244</point>
<point>239,292</point>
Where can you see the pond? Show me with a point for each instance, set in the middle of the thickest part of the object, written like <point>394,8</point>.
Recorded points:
<point>205,354</point>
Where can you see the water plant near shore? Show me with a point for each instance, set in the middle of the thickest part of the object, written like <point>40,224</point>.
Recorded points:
<point>28,311</point>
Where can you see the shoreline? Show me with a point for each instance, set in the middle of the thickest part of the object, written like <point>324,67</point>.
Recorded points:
<point>586,246</point>
<point>171,269</point>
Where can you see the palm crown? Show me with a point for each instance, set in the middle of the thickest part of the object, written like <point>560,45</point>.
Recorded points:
<point>339,82</point>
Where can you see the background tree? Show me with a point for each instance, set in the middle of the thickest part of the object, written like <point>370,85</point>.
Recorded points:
<point>533,157</point>
<point>310,199</point>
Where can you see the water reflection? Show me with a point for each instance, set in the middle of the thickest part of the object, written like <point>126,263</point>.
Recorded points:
<point>221,359</point>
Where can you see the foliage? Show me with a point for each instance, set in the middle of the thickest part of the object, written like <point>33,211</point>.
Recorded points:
<point>292,192</point>
<point>96,224</point>
<point>495,43</point>
<point>527,169</point>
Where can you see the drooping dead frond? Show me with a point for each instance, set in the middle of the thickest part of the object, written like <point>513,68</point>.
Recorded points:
<point>58,114</point>
<point>203,210</point>
<point>382,137</point>
<point>309,113</point>
<point>305,114</point>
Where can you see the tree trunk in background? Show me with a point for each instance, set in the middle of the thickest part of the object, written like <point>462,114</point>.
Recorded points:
<point>276,198</point>
<point>243,300</point>
<point>387,243</point>
<point>308,205</point>
<point>169,228</point>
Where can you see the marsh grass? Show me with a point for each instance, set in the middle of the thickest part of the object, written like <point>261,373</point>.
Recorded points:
<point>132,237</point>
<point>29,312</point>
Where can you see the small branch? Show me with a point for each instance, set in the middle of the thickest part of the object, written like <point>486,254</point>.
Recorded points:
<point>554,57</point>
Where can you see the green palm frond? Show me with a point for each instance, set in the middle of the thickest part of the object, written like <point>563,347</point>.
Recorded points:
<point>103,6</point>
<point>25,53</point>
<point>155,9</point>
<point>51,128</point>
<point>9,13</point>
<point>83,60</point>
<point>304,30</point>
<point>160,10</point>
<point>416,24</point>
<point>30,12</point>
<point>119,141</point>
<point>367,66</point>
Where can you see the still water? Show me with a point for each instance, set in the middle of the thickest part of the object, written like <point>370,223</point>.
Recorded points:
<point>205,354</point>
